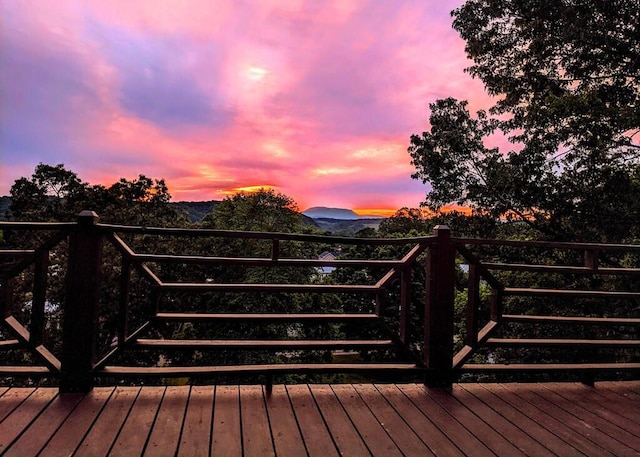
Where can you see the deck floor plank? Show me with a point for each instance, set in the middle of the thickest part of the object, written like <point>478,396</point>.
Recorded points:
<point>509,430</point>
<point>372,432</point>
<point>402,435</point>
<point>226,440</point>
<point>11,399</point>
<point>256,434</point>
<point>589,413</point>
<point>340,426</point>
<point>105,429</point>
<point>489,395</point>
<point>621,390</point>
<point>624,415</point>
<point>545,419</point>
<point>195,440</point>
<point>480,429</point>
<point>466,441</point>
<point>286,435</point>
<point>137,427</point>
<point>317,437</point>
<point>571,427</point>
<point>22,416</point>
<point>33,440</point>
<point>422,425</point>
<point>551,423</point>
<point>68,436</point>
<point>167,426</point>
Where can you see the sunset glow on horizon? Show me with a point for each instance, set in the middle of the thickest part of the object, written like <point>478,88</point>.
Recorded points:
<point>315,100</point>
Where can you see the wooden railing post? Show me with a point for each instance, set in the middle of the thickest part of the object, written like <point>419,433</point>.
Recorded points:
<point>81,306</point>
<point>438,316</point>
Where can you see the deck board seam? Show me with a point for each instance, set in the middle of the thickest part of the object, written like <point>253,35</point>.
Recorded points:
<point>596,422</point>
<point>475,418</point>
<point>441,426</point>
<point>295,417</point>
<point>512,407</point>
<point>353,424</point>
<point>594,443</point>
<point>523,430</point>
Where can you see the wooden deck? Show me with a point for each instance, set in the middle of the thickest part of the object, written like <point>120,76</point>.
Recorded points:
<point>325,420</point>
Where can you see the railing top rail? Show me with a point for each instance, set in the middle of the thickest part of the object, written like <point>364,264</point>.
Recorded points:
<point>36,225</point>
<point>201,232</point>
<point>547,244</point>
<point>265,261</point>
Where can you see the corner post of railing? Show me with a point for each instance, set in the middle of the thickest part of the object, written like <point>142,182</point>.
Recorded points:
<point>438,316</point>
<point>81,307</point>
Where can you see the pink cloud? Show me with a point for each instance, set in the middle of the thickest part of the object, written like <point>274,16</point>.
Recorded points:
<point>317,99</point>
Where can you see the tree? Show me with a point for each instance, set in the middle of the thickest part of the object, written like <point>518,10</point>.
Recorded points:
<point>54,193</point>
<point>566,77</point>
<point>265,210</point>
<point>404,221</point>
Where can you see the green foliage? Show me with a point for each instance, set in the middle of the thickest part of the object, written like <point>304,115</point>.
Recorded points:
<point>54,193</point>
<point>566,77</point>
<point>405,221</point>
<point>265,210</point>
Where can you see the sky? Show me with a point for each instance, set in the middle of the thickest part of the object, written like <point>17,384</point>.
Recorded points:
<point>316,99</point>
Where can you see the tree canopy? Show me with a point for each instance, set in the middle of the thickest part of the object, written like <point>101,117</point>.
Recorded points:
<point>565,75</point>
<point>57,194</point>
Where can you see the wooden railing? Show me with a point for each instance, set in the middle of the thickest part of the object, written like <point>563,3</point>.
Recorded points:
<point>550,306</point>
<point>104,327</point>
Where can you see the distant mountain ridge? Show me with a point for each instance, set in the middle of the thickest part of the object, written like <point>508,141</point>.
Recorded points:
<point>322,212</point>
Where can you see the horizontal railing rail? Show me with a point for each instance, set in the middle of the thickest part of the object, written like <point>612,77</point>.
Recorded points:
<point>488,335</point>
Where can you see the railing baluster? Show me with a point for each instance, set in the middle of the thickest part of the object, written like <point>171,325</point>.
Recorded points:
<point>473,305</point>
<point>125,292</point>
<point>6,297</point>
<point>496,305</point>
<point>405,305</point>
<point>36,330</point>
<point>591,259</point>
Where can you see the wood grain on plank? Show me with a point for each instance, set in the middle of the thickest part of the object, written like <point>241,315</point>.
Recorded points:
<point>345,435</point>
<point>196,430</point>
<point>36,436</point>
<point>284,428</point>
<point>11,399</point>
<point>490,394</point>
<point>23,415</point>
<point>105,429</point>
<point>314,431</point>
<point>402,435</point>
<point>372,432</point>
<point>137,427</point>
<point>227,432</point>
<point>438,442</point>
<point>445,421</point>
<point>256,434</point>
<point>165,434</point>
<point>68,437</point>
<point>540,411</point>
